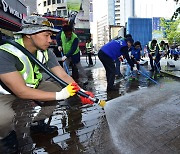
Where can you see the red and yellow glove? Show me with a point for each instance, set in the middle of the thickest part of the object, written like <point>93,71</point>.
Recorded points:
<point>85,100</point>
<point>73,88</point>
<point>68,91</point>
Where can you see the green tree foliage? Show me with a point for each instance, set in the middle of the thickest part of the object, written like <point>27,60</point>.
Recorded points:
<point>172,30</point>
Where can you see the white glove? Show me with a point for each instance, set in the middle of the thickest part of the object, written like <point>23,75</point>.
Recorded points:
<point>59,48</point>
<point>63,58</point>
<point>135,68</point>
<point>63,94</point>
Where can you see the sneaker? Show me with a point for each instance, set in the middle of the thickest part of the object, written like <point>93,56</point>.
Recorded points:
<point>138,73</point>
<point>131,78</point>
<point>44,140</point>
<point>119,76</point>
<point>112,88</point>
<point>90,65</point>
<point>85,83</point>
<point>41,127</point>
<point>126,77</point>
<point>9,144</point>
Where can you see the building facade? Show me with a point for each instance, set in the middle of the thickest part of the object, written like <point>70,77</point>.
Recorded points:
<point>58,8</point>
<point>114,12</point>
<point>52,7</point>
<point>102,32</point>
<point>31,6</point>
<point>117,14</point>
<point>126,11</point>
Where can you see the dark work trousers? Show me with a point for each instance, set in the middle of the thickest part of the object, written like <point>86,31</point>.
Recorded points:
<point>109,66</point>
<point>90,58</point>
<point>118,63</point>
<point>157,61</point>
<point>151,60</point>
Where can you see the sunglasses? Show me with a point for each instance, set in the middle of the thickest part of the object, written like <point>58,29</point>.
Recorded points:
<point>47,23</point>
<point>43,23</point>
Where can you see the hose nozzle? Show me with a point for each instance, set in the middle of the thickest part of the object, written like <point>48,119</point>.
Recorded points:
<point>101,103</point>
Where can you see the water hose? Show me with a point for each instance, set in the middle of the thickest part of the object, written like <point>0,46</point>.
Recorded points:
<point>146,74</point>
<point>102,103</point>
<point>147,77</point>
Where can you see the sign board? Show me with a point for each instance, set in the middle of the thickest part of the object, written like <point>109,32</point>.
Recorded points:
<point>8,8</point>
<point>74,5</point>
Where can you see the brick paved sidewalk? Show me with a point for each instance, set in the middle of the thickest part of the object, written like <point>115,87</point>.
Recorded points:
<point>85,129</point>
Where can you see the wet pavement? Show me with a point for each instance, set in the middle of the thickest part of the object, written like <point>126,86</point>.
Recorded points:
<point>116,129</point>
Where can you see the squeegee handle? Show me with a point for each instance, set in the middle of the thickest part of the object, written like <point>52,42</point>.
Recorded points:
<point>46,70</point>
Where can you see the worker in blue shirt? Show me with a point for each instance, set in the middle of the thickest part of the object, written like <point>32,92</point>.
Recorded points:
<point>119,59</point>
<point>109,53</point>
<point>136,54</point>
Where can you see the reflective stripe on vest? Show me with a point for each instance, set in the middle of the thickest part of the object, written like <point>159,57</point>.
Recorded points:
<point>161,48</point>
<point>89,46</point>
<point>27,72</point>
<point>13,50</point>
<point>150,48</point>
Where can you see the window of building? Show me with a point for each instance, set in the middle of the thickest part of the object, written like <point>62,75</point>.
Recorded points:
<point>59,12</point>
<point>53,1</point>
<point>60,8</point>
<point>49,2</point>
<point>44,3</point>
<point>65,12</point>
<point>49,13</point>
<point>91,7</point>
<point>54,12</point>
<point>60,1</point>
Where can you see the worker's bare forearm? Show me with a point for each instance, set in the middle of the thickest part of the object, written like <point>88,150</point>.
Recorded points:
<point>35,94</point>
<point>17,85</point>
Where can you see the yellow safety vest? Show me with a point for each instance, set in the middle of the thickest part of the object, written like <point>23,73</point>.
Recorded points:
<point>31,75</point>
<point>89,47</point>
<point>152,50</point>
<point>67,44</point>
